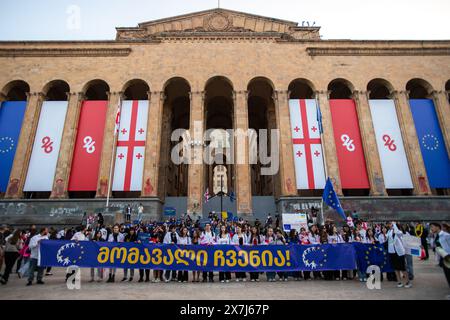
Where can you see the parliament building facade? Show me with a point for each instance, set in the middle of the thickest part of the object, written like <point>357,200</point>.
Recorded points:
<point>225,70</point>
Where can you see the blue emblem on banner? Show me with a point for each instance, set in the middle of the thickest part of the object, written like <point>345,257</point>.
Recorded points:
<point>70,254</point>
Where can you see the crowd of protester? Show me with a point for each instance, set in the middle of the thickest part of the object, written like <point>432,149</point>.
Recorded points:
<point>20,248</point>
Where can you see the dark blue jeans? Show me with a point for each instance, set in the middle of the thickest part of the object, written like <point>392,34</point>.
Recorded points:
<point>34,267</point>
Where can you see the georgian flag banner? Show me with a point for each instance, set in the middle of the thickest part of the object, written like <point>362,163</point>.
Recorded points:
<point>307,145</point>
<point>393,159</point>
<point>129,162</point>
<point>88,146</point>
<point>350,153</point>
<point>41,170</point>
<point>431,140</point>
<point>11,117</point>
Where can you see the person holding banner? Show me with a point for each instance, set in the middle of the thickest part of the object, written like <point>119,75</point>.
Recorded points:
<point>334,237</point>
<point>34,246</point>
<point>171,237</point>
<point>98,236</point>
<point>270,240</point>
<point>130,237</point>
<point>184,239</point>
<point>157,237</point>
<point>208,238</point>
<point>240,239</point>
<point>196,241</point>
<point>115,236</point>
<point>255,240</point>
<point>314,238</point>
<point>281,241</point>
<point>223,238</point>
<point>346,236</point>
<point>396,252</point>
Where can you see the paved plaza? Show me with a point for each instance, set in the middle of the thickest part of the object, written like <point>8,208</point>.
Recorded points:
<point>429,283</point>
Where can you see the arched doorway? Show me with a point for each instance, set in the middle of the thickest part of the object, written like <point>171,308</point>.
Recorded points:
<point>12,112</point>
<point>219,117</point>
<point>261,116</point>
<point>429,134</point>
<point>393,157</point>
<point>348,140</point>
<point>44,156</point>
<point>89,141</point>
<point>303,90</point>
<point>131,140</point>
<point>176,115</point>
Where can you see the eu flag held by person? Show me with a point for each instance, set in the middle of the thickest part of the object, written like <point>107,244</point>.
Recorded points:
<point>331,199</point>
<point>369,254</point>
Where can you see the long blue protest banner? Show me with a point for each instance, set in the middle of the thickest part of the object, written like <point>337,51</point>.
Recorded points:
<point>88,254</point>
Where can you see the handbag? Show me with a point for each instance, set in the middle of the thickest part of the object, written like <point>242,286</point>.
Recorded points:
<point>24,270</point>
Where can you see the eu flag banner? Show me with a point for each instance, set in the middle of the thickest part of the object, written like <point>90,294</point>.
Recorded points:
<point>331,199</point>
<point>432,145</point>
<point>11,116</point>
<point>90,254</point>
<point>372,254</point>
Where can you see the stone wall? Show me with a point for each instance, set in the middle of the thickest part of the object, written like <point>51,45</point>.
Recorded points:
<point>377,208</point>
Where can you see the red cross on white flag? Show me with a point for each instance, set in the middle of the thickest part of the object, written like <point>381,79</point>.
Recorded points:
<point>309,168</point>
<point>129,164</point>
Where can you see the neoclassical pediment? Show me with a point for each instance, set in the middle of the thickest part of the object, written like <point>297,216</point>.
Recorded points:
<point>220,23</point>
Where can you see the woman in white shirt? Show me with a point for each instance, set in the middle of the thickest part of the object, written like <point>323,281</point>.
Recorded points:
<point>223,238</point>
<point>334,238</point>
<point>270,240</point>
<point>255,239</point>
<point>184,239</point>
<point>397,253</point>
<point>115,236</point>
<point>240,239</point>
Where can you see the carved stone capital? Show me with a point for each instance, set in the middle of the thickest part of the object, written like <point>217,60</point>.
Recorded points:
<point>114,94</point>
<point>194,94</point>
<point>319,93</point>
<point>240,94</point>
<point>280,95</point>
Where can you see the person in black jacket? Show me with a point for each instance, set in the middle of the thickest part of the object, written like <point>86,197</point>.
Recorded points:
<point>422,233</point>
<point>130,237</point>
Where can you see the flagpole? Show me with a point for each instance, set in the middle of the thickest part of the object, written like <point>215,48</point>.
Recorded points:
<point>113,153</point>
<point>324,156</point>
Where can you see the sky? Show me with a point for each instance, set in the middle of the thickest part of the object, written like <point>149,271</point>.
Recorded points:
<point>339,19</point>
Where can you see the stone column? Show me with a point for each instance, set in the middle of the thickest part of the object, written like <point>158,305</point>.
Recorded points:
<point>196,166</point>
<point>25,145</point>
<point>242,184</point>
<point>328,143</point>
<point>443,111</point>
<point>287,168</point>
<point>64,164</point>
<point>107,148</point>
<point>411,143</point>
<point>153,145</point>
<point>371,155</point>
